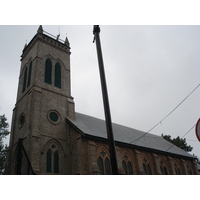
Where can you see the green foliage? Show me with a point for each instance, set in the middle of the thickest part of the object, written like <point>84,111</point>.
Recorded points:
<point>3,150</point>
<point>181,143</point>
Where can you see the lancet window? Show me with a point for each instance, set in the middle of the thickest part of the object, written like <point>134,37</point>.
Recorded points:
<point>104,163</point>
<point>48,71</point>
<point>52,160</point>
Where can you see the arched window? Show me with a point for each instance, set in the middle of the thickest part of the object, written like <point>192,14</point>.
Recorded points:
<point>177,170</point>
<point>48,71</point>
<point>100,164</point>
<point>29,74</point>
<point>52,160</point>
<point>126,164</point>
<point>163,169</point>
<point>48,161</point>
<point>146,167</point>
<point>104,163</point>
<point>58,75</point>
<point>56,162</point>
<point>25,78</point>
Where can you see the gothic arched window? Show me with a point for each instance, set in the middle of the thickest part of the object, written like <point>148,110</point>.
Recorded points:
<point>163,168</point>
<point>177,170</point>
<point>25,78</point>
<point>52,160</point>
<point>104,163</point>
<point>58,75</point>
<point>146,167</point>
<point>48,71</point>
<point>126,164</point>
<point>29,74</point>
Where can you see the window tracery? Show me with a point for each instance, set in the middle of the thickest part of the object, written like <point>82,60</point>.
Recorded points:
<point>104,163</point>
<point>52,160</point>
<point>163,168</point>
<point>127,165</point>
<point>146,166</point>
<point>177,170</point>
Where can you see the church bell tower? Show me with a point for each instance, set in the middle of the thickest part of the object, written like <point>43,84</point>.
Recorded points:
<point>43,102</point>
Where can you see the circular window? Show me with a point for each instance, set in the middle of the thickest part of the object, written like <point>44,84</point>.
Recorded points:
<point>53,117</point>
<point>21,120</point>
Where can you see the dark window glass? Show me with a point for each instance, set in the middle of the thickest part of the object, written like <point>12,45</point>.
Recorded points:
<point>130,169</point>
<point>48,161</point>
<point>165,171</point>
<point>149,170</point>
<point>25,78</point>
<point>100,164</point>
<point>144,168</point>
<point>22,120</point>
<point>29,74</point>
<point>107,164</point>
<point>58,75</point>
<point>53,116</point>
<point>124,167</point>
<point>161,169</point>
<point>48,71</point>
<point>56,162</point>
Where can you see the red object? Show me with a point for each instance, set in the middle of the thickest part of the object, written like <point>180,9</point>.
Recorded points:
<point>198,129</point>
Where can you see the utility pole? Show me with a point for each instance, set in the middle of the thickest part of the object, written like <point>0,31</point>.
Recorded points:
<point>111,142</point>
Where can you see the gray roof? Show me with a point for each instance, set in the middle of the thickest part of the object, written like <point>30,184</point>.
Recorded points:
<point>94,127</point>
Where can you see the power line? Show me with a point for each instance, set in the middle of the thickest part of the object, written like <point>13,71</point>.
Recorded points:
<point>182,137</point>
<point>167,115</point>
<point>174,109</point>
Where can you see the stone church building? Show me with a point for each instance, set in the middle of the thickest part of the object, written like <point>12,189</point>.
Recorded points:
<point>49,137</point>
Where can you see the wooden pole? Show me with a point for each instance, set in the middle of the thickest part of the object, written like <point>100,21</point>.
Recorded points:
<point>111,141</point>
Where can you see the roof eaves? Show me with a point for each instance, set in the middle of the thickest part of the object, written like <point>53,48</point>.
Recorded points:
<point>138,147</point>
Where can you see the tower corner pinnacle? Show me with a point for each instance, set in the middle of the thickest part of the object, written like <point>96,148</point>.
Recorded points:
<point>40,29</point>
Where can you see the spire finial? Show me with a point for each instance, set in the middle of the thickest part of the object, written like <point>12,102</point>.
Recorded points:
<point>40,29</point>
<point>66,40</point>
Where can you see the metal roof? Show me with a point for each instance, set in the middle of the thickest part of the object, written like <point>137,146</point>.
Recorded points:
<point>94,127</point>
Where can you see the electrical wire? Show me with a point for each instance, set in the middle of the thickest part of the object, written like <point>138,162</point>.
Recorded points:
<point>167,114</point>
<point>181,138</point>
<point>173,109</point>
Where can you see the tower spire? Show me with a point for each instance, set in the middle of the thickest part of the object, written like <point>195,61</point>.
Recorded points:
<point>40,29</point>
<point>66,41</point>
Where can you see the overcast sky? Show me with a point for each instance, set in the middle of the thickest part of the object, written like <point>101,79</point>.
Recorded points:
<point>149,71</point>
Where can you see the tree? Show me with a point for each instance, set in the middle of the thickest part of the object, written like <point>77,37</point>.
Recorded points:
<point>179,142</point>
<point>3,149</point>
